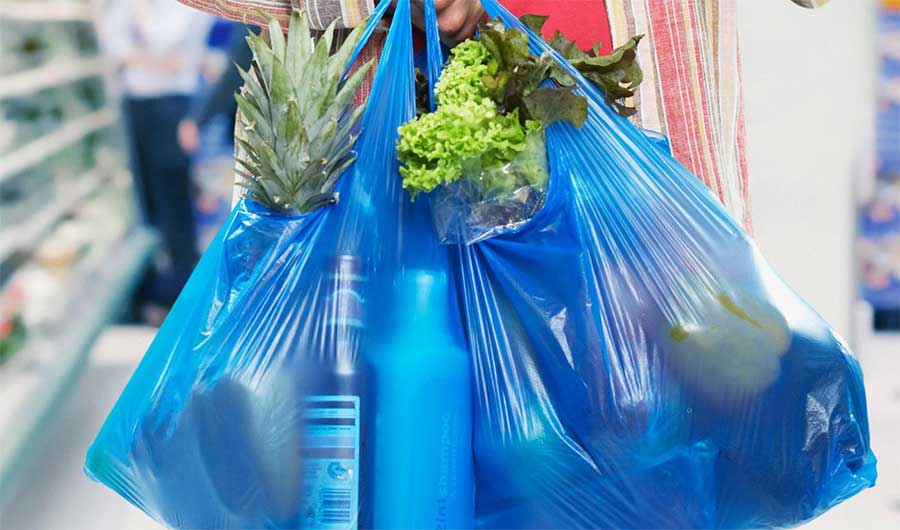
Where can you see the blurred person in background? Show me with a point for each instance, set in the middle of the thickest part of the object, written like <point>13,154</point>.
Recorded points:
<point>219,100</point>
<point>157,47</point>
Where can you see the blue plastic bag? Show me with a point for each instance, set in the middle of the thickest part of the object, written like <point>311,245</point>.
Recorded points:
<point>213,430</point>
<point>637,364</point>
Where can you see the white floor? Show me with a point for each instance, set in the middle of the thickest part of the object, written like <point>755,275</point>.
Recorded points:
<point>55,494</point>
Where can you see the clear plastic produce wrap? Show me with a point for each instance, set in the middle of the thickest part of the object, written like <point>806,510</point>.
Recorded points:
<point>636,362</point>
<point>468,211</point>
<point>254,406</point>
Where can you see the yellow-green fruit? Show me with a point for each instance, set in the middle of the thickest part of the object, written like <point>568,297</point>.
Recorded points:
<point>729,348</point>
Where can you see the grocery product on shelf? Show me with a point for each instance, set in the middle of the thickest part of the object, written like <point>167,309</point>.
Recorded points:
<point>879,212</point>
<point>23,45</point>
<point>12,327</point>
<point>22,193</point>
<point>31,116</point>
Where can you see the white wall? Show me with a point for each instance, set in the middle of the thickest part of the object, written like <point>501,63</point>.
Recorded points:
<point>808,81</point>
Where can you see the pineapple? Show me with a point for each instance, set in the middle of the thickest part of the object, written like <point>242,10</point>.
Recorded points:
<point>297,117</point>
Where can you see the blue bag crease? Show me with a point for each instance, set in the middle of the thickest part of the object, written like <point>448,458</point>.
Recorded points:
<point>622,357</point>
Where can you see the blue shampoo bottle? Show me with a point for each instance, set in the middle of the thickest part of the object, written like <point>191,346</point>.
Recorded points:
<point>423,446</point>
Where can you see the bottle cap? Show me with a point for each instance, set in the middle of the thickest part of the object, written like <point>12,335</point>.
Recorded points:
<point>423,291</point>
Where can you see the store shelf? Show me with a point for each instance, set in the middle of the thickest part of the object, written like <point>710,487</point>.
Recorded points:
<point>51,74</point>
<point>32,390</point>
<point>58,10</point>
<point>29,233</point>
<point>68,134</point>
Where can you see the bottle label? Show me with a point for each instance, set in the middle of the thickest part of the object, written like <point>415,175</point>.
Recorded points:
<point>331,462</point>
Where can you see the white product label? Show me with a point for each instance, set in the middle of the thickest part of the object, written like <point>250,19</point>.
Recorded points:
<point>331,462</point>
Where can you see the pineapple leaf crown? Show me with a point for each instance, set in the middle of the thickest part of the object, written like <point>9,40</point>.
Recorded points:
<point>297,115</point>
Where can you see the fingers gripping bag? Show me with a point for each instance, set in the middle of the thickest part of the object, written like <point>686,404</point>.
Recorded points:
<point>255,406</point>
<point>636,362</point>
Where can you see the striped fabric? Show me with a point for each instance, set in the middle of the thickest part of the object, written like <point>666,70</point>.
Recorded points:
<point>348,13</point>
<point>692,87</point>
<point>245,11</point>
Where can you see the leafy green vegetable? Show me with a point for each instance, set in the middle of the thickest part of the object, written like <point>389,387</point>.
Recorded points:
<point>423,99</point>
<point>466,126</point>
<point>528,167</point>
<point>461,80</point>
<point>434,146</point>
<point>547,105</point>
<point>532,161</point>
<point>617,74</point>
<point>494,104</point>
<point>512,70</point>
<point>534,22</point>
<point>488,99</point>
<point>514,75</point>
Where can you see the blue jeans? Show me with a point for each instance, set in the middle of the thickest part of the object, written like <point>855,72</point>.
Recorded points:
<point>162,178</point>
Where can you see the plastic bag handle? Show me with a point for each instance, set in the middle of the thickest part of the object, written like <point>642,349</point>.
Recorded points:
<point>433,50</point>
<point>371,26</point>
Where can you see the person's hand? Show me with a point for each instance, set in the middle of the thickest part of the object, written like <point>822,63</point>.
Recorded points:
<point>188,136</point>
<point>136,59</point>
<point>457,19</point>
<point>170,63</point>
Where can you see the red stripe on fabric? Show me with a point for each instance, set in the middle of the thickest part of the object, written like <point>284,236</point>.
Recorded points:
<point>685,92</point>
<point>742,151</point>
<point>245,12</point>
<point>677,90</point>
<point>708,150</point>
<point>668,40</point>
<point>584,21</point>
<point>371,52</point>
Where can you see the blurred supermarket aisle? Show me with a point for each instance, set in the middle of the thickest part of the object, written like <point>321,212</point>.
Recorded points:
<point>76,239</point>
<point>55,476</point>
